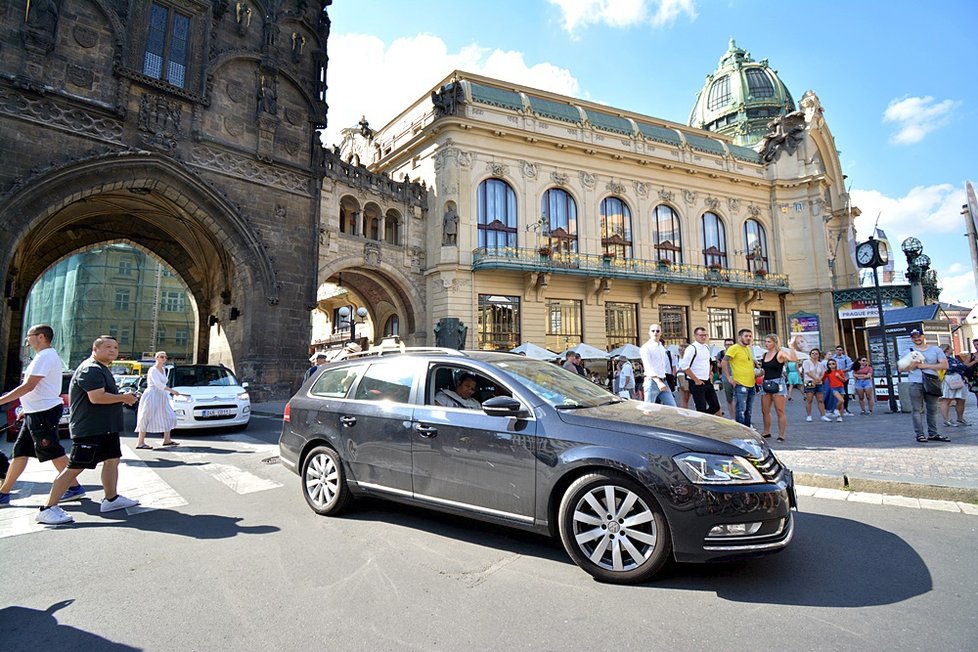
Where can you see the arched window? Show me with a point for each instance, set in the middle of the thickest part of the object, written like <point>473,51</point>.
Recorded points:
<point>668,234</point>
<point>392,326</point>
<point>560,213</point>
<point>714,241</point>
<point>497,214</point>
<point>616,228</point>
<point>755,244</point>
<point>719,93</point>
<point>392,225</point>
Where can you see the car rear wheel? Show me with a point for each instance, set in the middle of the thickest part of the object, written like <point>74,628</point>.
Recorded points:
<point>613,528</point>
<point>323,482</point>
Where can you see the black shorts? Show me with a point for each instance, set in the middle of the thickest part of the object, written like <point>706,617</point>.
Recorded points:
<point>39,435</point>
<point>87,452</point>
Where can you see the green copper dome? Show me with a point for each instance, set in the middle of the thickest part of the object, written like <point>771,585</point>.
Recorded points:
<point>740,98</point>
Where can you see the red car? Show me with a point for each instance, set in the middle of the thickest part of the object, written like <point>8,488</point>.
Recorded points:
<point>13,412</point>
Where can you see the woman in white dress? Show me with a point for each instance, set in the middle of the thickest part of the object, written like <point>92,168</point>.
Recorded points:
<point>155,413</point>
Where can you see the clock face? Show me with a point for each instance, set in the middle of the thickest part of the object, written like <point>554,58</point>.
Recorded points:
<point>884,253</point>
<point>864,253</point>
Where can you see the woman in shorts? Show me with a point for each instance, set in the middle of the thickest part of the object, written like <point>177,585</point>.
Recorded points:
<point>812,373</point>
<point>863,374</point>
<point>835,378</point>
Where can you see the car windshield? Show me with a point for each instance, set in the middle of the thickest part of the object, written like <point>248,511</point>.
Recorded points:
<point>202,376</point>
<point>560,388</point>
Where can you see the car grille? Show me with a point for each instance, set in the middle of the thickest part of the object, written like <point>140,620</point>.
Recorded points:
<point>769,467</point>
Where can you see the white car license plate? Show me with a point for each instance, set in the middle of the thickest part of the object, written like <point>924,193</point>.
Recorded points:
<point>217,413</point>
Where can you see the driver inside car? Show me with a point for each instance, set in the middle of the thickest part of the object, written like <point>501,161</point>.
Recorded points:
<point>462,395</point>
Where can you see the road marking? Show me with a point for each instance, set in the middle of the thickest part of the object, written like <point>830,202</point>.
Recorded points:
<point>238,480</point>
<point>886,499</point>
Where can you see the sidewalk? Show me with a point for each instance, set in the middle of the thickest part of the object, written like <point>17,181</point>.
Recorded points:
<point>875,453</point>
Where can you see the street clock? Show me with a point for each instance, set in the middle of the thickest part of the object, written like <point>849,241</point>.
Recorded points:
<point>872,253</point>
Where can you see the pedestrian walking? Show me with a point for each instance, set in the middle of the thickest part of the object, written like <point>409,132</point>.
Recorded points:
<point>318,361</point>
<point>793,378</point>
<point>695,364</point>
<point>625,378</point>
<point>953,389</point>
<point>863,373</point>
<point>971,370</point>
<point>40,396</point>
<point>844,364</point>
<point>94,425</point>
<point>656,363</point>
<point>813,374</point>
<point>774,386</point>
<point>835,378</point>
<point>155,414</point>
<point>728,388</point>
<point>924,386</point>
<point>738,369</point>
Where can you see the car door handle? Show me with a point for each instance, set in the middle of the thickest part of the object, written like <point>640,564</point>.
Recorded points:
<point>348,421</point>
<point>426,431</point>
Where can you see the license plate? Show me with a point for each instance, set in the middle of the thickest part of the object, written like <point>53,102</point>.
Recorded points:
<point>217,413</point>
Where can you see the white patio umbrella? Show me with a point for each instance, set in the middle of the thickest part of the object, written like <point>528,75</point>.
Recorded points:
<point>630,351</point>
<point>535,352</point>
<point>587,352</point>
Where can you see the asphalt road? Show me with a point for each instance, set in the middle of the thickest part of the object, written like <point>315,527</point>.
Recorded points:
<point>232,558</point>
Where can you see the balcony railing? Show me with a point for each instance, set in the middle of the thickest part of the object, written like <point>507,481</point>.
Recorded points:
<point>597,265</point>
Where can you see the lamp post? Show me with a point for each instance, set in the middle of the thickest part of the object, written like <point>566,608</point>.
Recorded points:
<point>346,317</point>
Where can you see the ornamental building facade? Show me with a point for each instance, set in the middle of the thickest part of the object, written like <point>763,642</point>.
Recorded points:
<point>558,221</point>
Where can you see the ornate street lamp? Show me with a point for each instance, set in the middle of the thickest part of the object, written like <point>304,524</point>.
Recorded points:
<point>346,319</point>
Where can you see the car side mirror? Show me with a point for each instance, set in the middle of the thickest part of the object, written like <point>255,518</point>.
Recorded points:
<point>245,384</point>
<point>504,406</point>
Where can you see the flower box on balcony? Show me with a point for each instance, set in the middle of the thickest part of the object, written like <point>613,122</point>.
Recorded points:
<point>665,263</point>
<point>545,252</point>
<point>761,273</point>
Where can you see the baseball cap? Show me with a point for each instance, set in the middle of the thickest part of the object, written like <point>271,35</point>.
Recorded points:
<point>916,331</point>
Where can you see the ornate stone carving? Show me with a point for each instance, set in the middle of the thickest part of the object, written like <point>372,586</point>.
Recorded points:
<point>559,179</point>
<point>231,164</point>
<point>528,170</point>
<point>666,195</point>
<point>41,25</point>
<point>236,92</point>
<point>787,134</point>
<point>160,118</point>
<point>712,203</point>
<point>615,188</point>
<point>49,113</point>
<point>753,211</point>
<point>733,204</point>
<point>291,145</point>
<point>689,197</point>
<point>280,213</point>
<point>448,99</point>
<point>233,127</point>
<point>267,95</point>
<point>587,179</point>
<point>371,253</point>
<point>416,258</point>
<point>84,36</point>
<point>497,169</point>
<point>293,116</point>
<point>641,189</point>
<point>82,77</point>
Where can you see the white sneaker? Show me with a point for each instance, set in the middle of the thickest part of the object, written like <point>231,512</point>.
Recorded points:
<point>53,516</point>
<point>839,420</point>
<point>849,414</point>
<point>808,418</point>
<point>120,502</point>
<point>950,424</point>
<point>826,417</point>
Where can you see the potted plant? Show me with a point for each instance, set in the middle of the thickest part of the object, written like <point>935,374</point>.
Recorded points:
<point>665,263</point>
<point>761,272</point>
<point>545,251</point>
<point>715,267</point>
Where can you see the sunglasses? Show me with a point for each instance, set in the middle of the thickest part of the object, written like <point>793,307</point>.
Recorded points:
<point>654,330</point>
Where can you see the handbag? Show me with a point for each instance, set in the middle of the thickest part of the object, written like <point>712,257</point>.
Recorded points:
<point>771,386</point>
<point>932,385</point>
<point>954,381</point>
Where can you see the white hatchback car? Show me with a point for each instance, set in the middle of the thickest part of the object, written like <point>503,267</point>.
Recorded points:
<point>212,397</point>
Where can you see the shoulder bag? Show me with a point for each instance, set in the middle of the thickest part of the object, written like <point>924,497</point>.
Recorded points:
<point>932,385</point>
<point>771,386</point>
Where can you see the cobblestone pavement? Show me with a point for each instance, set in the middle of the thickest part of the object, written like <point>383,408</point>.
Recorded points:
<point>878,447</point>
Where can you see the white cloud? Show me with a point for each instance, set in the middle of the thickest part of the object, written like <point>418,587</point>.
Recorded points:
<point>366,77</point>
<point>915,117</point>
<point>622,13</point>
<point>958,289</point>
<point>923,210</point>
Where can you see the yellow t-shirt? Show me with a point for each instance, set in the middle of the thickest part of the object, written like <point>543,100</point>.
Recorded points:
<point>741,364</point>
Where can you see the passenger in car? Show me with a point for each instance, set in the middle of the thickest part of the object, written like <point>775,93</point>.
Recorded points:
<point>462,395</point>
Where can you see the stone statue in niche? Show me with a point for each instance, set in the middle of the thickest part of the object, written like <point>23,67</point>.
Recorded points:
<point>267,98</point>
<point>41,24</point>
<point>450,231</point>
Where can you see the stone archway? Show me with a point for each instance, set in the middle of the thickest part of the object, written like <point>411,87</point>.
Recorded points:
<point>159,205</point>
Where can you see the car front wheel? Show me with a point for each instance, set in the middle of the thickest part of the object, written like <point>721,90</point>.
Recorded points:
<point>613,528</point>
<point>323,482</point>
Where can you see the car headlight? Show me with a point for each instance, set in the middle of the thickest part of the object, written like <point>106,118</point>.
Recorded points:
<point>243,396</point>
<point>703,468</point>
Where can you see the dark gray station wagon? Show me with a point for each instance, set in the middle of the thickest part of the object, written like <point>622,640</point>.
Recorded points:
<point>626,485</point>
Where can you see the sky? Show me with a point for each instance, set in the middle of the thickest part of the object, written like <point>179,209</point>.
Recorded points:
<point>895,78</point>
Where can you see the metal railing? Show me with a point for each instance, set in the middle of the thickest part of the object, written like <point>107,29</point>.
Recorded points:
<point>597,265</point>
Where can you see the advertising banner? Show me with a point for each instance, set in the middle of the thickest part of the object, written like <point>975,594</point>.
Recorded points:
<point>807,325</point>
